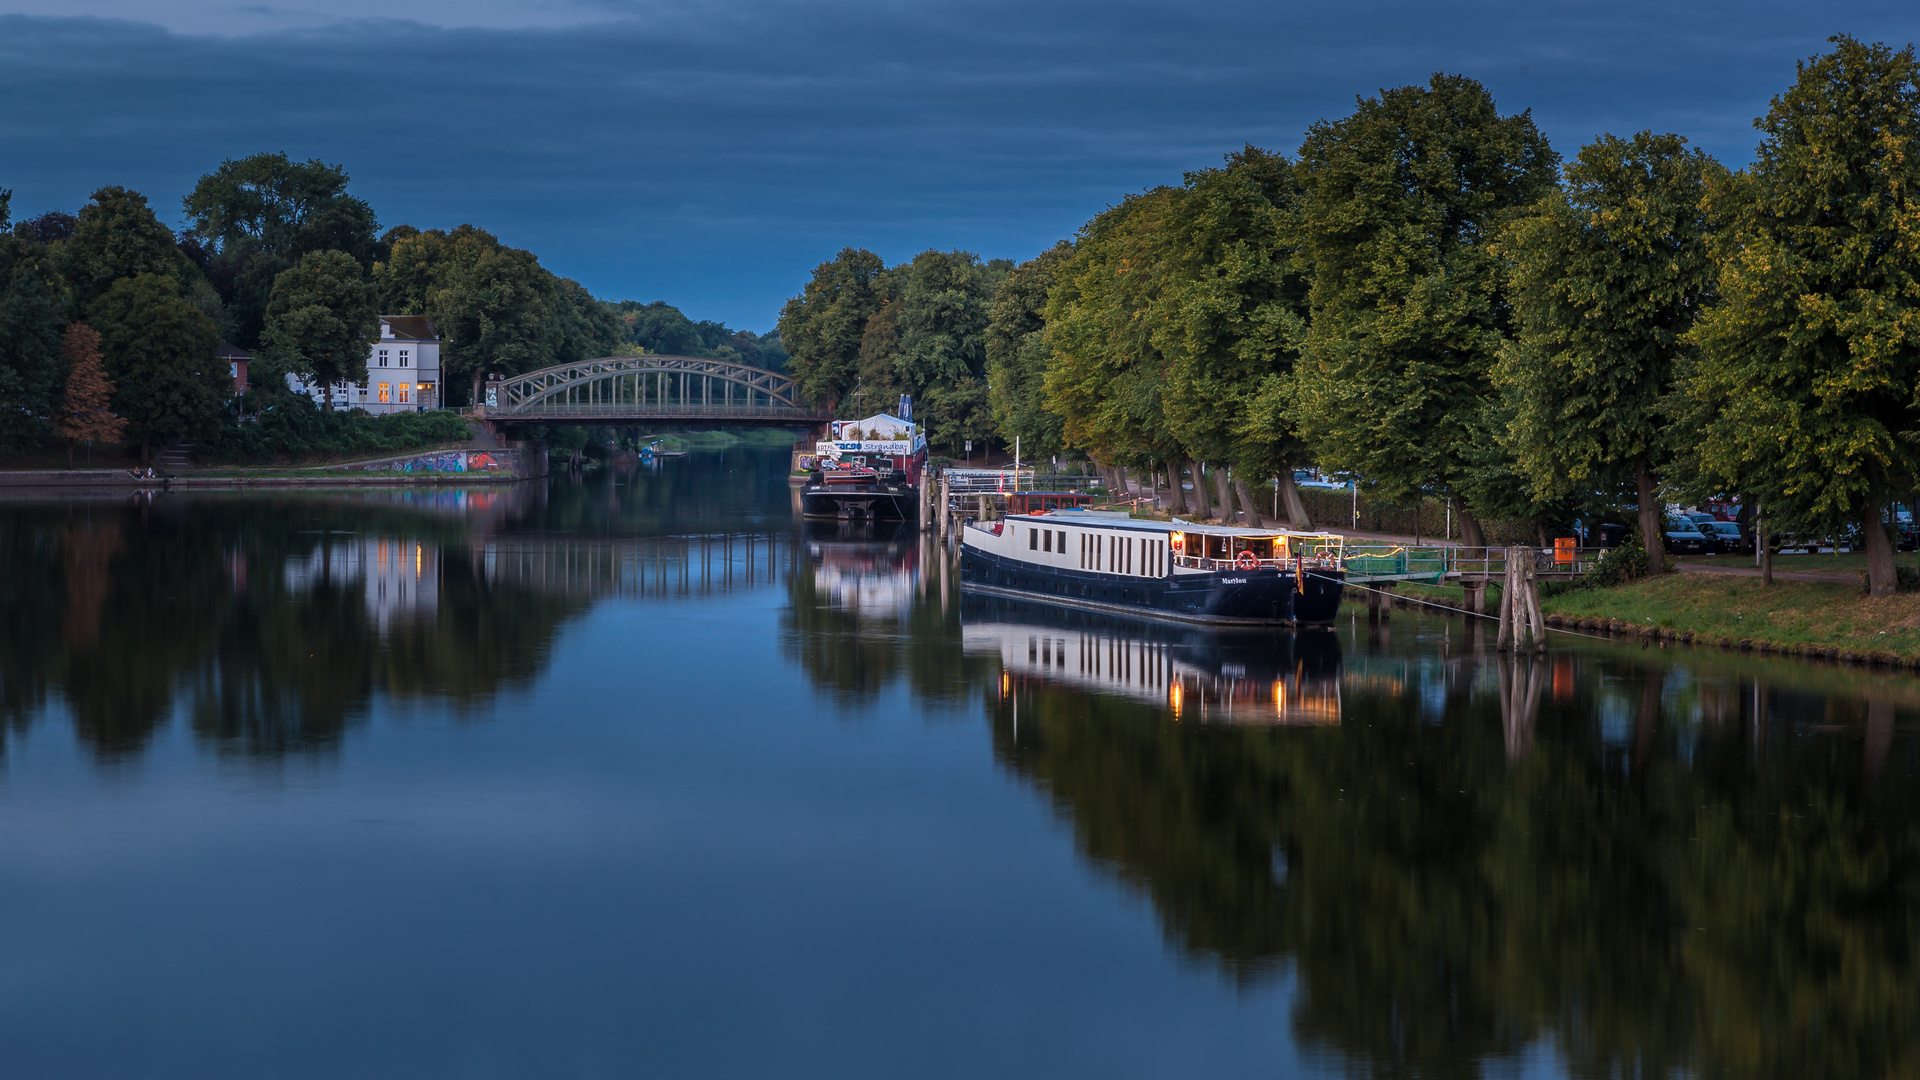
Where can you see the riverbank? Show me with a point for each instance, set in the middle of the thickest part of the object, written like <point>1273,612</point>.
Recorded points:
<point>1811,618</point>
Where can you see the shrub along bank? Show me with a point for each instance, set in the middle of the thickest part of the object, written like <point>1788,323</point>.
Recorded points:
<point>295,432</point>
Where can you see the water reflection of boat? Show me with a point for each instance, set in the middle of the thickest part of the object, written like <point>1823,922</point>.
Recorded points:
<point>865,568</point>
<point>1233,676</point>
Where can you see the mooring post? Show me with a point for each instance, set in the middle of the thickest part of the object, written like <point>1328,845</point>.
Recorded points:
<point>1533,605</point>
<point>1506,609</point>
<point>1476,595</point>
<point>1373,603</point>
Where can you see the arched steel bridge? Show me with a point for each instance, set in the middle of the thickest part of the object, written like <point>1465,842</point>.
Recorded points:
<point>641,389</point>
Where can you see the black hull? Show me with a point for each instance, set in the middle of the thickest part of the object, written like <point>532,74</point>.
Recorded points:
<point>859,503</point>
<point>1222,598</point>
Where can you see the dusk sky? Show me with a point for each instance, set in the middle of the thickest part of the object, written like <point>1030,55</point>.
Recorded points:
<point>709,154</point>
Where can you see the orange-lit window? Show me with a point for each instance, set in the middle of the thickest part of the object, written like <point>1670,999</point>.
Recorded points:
<point>403,393</point>
<point>386,390</point>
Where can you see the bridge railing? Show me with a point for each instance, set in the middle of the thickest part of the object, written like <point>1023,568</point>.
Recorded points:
<point>671,409</point>
<point>1441,562</point>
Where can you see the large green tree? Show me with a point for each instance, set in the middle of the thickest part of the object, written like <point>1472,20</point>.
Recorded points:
<point>1810,364</point>
<point>1017,354</point>
<point>943,313</point>
<point>259,214</point>
<point>320,319</point>
<point>159,350</point>
<point>821,328</point>
<point>33,308</point>
<point>116,236</point>
<point>497,308</point>
<point>1407,312</point>
<point>1231,317</point>
<point>1107,378</point>
<point>1607,276</point>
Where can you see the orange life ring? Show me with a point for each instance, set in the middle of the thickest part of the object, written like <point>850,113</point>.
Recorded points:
<point>1246,560</point>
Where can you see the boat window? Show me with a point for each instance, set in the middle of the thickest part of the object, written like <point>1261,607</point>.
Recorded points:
<point>1046,539</point>
<point>1033,539</point>
<point>1062,541</point>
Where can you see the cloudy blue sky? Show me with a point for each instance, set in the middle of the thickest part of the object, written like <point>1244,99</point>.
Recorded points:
<point>710,152</point>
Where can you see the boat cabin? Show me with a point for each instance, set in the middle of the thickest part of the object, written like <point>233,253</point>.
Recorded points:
<point>1213,547</point>
<point>1039,502</point>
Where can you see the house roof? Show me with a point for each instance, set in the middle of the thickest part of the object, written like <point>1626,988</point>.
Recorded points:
<point>229,351</point>
<point>411,327</point>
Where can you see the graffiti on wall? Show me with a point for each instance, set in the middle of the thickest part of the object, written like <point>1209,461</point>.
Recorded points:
<point>452,461</point>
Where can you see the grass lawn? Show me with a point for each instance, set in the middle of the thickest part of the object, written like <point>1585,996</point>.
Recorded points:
<point>1787,613</point>
<point>1849,562</point>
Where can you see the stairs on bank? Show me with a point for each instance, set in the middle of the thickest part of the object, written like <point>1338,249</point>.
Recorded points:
<point>175,458</point>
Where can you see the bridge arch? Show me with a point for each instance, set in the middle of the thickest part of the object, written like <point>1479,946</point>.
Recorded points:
<point>626,389</point>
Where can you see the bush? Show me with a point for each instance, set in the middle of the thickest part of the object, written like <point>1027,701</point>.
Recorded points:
<point>293,429</point>
<point>1628,562</point>
<point>1906,578</point>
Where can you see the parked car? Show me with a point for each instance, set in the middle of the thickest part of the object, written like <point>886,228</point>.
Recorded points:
<point>1726,537</point>
<point>1607,535</point>
<point>1684,538</point>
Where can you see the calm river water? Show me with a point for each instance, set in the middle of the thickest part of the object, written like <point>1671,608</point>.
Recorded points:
<point>636,776</point>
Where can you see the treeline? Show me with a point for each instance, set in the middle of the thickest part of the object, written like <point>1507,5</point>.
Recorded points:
<point>278,258</point>
<point>1424,297</point>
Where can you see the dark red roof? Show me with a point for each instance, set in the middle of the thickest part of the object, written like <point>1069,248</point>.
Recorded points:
<point>411,327</point>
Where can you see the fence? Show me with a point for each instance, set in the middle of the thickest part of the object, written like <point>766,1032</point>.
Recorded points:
<point>1436,564</point>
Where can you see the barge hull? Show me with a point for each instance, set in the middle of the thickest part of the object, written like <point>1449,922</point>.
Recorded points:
<point>1225,598</point>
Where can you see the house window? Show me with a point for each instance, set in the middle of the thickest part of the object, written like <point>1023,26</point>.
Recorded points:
<point>363,393</point>
<point>383,358</point>
<point>385,391</point>
<point>403,358</point>
<point>403,393</point>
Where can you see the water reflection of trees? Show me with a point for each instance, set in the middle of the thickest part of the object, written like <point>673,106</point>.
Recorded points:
<point>130,611</point>
<point>1655,898</point>
<point>845,627</point>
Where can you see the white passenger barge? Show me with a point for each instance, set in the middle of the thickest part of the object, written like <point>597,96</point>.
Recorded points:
<point>1108,561</point>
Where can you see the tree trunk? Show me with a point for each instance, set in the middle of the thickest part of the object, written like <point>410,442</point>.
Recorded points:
<point>329,398</point>
<point>1201,510</point>
<point>1224,492</point>
<point>1471,534</point>
<point>1247,506</point>
<point>1296,507</point>
<point>1763,544</point>
<point>1177,494</point>
<point>1880,577</point>
<point>1652,536</point>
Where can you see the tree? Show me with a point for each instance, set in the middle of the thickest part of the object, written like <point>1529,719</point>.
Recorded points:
<point>86,415</point>
<point>1017,354</point>
<point>1407,314</point>
<point>943,319</point>
<point>1231,318</point>
<point>116,236</point>
<point>821,328</point>
<point>320,320</point>
<point>33,303</point>
<point>1607,276</point>
<point>1810,364</point>
<point>1107,377</point>
<point>260,214</point>
<point>497,308</point>
<point>159,351</point>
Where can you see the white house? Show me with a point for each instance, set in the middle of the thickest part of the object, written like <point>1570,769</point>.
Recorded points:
<point>403,371</point>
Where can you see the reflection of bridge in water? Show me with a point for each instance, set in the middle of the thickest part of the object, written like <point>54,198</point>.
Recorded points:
<point>664,566</point>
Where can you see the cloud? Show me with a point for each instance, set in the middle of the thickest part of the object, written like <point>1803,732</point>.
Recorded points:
<point>710,154</point>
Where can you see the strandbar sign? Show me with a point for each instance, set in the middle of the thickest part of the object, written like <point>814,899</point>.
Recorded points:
<point>878,434</point>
